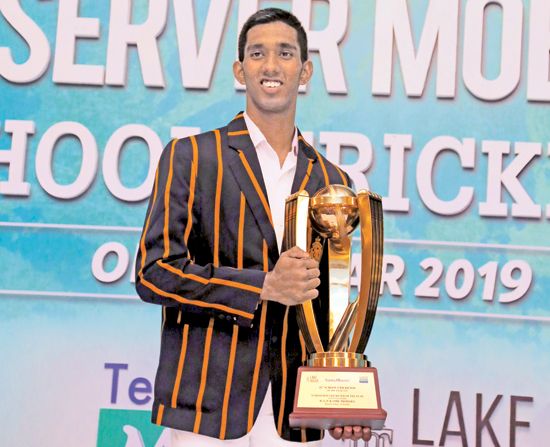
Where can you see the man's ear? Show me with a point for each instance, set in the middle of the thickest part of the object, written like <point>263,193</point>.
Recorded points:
<point>307,72</point>
<point>238,72</point>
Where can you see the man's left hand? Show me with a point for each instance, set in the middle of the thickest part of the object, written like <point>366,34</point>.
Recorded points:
<point>348,432</point>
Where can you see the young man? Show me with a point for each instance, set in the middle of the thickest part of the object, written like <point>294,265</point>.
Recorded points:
<point>210,255</point>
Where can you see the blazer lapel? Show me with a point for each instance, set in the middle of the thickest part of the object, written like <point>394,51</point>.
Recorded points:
<point>308,171</point>
<point>248,173</point>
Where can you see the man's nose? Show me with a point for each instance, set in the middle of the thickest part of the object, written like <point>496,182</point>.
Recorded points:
<point>271,63</point>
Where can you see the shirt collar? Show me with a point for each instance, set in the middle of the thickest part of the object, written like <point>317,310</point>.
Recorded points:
<point>258,137</point>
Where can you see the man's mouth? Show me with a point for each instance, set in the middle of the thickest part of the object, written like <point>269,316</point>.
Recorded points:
<point>271,84</point>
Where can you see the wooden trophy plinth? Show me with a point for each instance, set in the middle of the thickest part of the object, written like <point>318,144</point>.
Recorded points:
<point>328,397</point>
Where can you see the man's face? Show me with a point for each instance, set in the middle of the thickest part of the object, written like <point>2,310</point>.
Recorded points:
<point>272,69</point>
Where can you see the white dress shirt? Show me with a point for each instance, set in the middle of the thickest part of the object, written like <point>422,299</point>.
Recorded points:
<point>278,180</point>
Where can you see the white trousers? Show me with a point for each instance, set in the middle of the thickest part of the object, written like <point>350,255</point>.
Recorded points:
<point>263,434</point>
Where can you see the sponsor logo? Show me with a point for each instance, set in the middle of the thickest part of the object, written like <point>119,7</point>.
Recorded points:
<point>312,379</point>
<point>363,379</point>
<point>130,428</point>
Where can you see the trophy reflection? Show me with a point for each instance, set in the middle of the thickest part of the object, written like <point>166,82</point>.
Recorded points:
<point>337,387</point>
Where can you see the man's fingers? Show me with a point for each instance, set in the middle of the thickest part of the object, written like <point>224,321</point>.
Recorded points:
<point>311,295</point>
<point>351,432</point>
<point>306,264</point>
<point>313,273</point>
<point>311,264</point>
<point>295,252</point>
<point>348,432</point>
<point>357,433</point>
<point>294,278</point>
<point>336,433</point>
<point>307,296</point>
<point>313,284</point>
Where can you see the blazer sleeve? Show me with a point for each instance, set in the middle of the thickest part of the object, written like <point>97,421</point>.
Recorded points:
<point>165,271</point>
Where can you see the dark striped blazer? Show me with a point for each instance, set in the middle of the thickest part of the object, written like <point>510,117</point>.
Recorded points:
<point>207,243</point>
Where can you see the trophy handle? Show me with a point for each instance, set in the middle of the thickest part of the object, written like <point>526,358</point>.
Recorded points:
<point>372,248</point>
<point>298,233</point>
<point>339,341</point>
<point>306,321</point>
<point>339,258</point>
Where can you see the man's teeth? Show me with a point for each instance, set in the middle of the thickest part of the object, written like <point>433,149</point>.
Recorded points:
<point>272,83</point>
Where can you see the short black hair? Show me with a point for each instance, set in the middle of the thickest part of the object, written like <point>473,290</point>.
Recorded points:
<point>269,15</point>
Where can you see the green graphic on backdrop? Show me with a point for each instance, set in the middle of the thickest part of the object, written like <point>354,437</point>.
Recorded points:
<point>128,428</point>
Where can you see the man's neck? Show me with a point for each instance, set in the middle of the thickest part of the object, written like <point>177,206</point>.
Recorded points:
<point>277,129</point>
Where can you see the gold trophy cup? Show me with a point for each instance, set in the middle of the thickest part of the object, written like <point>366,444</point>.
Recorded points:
<point>338,387</point>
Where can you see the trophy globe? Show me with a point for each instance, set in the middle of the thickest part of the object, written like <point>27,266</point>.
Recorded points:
<point>334,211</point>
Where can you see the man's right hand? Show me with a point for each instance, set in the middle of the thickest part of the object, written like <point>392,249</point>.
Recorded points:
<point>293,280</point>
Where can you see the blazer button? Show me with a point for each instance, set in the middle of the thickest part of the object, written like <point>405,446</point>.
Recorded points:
<point>228,318</point>
<point>221,316</point>
<point>274,339</point>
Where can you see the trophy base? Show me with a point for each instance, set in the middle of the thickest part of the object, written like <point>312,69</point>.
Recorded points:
<point>329,397</point>
<point>323,421</point>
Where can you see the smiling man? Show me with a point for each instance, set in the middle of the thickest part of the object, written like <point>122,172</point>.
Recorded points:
<point>211,257</point>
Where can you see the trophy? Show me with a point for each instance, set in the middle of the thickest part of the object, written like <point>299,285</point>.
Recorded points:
<point>337,387</point>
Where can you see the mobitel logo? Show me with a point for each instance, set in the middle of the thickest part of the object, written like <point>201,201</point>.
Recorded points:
<point>130,428</point>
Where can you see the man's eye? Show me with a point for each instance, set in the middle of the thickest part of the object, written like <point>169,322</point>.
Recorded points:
<point>286,54</point>
<point>256,54</point>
